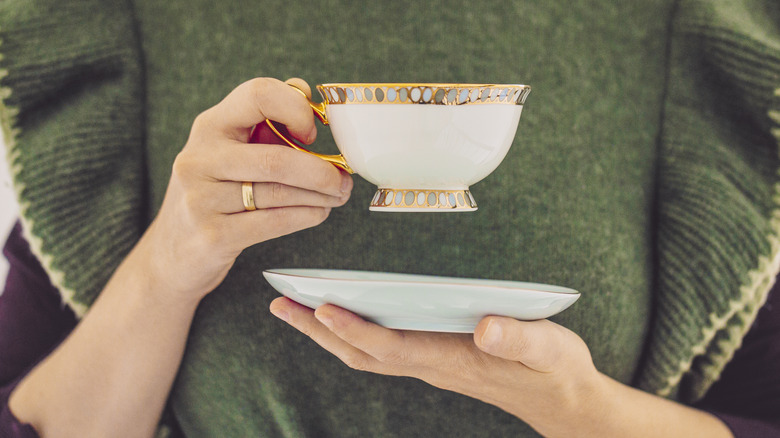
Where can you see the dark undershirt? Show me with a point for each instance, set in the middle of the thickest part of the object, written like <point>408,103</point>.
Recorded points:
<point>33,321</point>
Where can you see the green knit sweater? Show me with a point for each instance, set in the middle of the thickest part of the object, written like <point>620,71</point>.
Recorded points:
<point>644,174</point>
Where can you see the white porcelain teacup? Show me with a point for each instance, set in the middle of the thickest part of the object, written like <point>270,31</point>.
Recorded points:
<point>423,145</point>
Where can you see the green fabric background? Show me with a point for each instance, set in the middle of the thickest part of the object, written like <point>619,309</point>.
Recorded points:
<point>73,125</point>
<point>570,204</point>
<point>644,174</point>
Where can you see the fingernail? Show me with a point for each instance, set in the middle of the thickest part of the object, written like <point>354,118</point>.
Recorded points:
<point>281,314</point>
<point>492,335</point>
<point>346,183</point>
<point>312,135</point>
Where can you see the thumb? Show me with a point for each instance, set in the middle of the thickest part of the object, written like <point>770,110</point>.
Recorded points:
<point>539,345</point>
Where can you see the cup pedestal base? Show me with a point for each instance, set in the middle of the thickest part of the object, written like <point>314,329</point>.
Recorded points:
<point>422,200</point>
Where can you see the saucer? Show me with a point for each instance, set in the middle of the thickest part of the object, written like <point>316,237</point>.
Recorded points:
<point>421,302</point>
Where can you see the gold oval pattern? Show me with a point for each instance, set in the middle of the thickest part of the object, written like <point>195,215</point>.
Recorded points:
<point>423,199</point>
<point>426,94</point>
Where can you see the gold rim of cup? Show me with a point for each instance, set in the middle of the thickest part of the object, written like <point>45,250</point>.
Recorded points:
<point>424,94</point>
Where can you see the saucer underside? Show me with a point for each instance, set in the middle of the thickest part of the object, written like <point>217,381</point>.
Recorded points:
<point>417,302</point>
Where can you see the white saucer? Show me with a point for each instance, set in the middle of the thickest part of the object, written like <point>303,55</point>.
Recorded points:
<point>421,302</point>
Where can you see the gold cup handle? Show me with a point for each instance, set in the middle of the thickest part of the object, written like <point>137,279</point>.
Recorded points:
<point>319,111</point>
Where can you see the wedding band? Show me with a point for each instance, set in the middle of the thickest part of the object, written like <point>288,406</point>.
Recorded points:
<point>248,195</point>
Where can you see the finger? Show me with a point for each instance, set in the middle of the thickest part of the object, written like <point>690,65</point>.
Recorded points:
<point>252,227</point>
<point>234,161</point>
<point>302,318</point>
<point>539,345</point>
<point>263,134</point>
<point>226,197</point>
<point>253,102</point>
<point>390,347</point>
<point>300,84</point>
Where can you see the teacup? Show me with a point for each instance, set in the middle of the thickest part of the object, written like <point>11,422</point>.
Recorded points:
<point>421,144</point>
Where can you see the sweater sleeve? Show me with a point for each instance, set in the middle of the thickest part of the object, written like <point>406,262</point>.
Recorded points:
<point>32,317</point>
<point>743,427</point>
<point>10,426</point>
<point>33,321</point>
<point>747,395</point>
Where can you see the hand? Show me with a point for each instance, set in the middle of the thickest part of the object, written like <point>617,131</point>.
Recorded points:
<point>539,371</point>
<point>115,371</point>
<point>202,225</point>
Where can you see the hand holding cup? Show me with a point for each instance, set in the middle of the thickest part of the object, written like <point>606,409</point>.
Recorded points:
<point>423,145</point>
<point>206,219</point>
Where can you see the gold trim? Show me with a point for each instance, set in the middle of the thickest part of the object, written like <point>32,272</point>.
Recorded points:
<point>248,196</point>
<point>424,94</point>
<point>337,160</point>
<point>319,110</point>
<point>417,199</point>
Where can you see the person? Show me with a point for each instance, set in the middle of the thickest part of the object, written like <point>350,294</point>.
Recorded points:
<point>181,311</point>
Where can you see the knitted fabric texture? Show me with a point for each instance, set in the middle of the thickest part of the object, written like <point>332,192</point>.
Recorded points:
<point>569,205</point>
<point>718,218</point>
<point>72,124</point>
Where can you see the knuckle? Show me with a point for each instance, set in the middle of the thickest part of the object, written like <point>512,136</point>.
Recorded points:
<point>183,166</point>
<point>343,200</point>
<point>276,192</point>
<point>273,163</point>
<point>202,123</point>
<point>180,165</point>
<point>321,214</point>
<point>307,330</point>
<point>520,345</point>
<point>356,361</point>
<point>260,86</point>
<point>576,348</point>
<point>394,357</point>
<point>471,363</point>
<point>465,364</point>
<point>260,89</point>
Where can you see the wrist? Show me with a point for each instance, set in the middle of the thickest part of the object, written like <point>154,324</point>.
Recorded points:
<point>593,410</point>
<point>145,278</point>
<point>580,409</point>
<point>178,267</point>
<point>616,409</point>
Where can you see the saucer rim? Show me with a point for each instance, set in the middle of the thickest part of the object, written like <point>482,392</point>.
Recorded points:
<point>431,280</point>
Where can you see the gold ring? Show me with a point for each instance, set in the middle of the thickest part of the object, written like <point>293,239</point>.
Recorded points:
<point>248,195</point>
